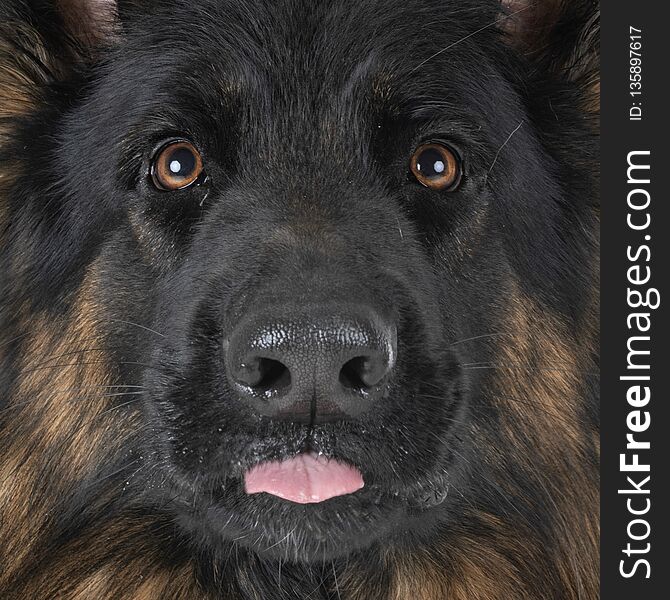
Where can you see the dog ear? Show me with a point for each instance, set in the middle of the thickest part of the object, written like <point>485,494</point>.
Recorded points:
<point>70,30</point>
<point>561,36</point>
<point>529,22</point>
<point>43,42</point>
<point>90,22</point>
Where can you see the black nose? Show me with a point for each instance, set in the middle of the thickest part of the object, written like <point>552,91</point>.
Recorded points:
<point>313,364</point>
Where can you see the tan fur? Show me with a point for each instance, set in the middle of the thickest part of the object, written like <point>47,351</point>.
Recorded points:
<point>467,569</point>
<point>20,77</point>
<point>20,85</point>
<point>535,383</point>
<point>19,95</point>
<point>85,570</point>
<point>537,374</point>
<point>60,403</point>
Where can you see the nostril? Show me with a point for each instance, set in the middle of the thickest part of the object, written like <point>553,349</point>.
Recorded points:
<point>362,372</point>
<point>263,375</point>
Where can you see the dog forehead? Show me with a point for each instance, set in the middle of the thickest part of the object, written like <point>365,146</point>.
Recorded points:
<point>324,45</point>
<point>321,75</point>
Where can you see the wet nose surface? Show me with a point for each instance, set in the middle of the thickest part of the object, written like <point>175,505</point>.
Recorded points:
<point>315,364</point>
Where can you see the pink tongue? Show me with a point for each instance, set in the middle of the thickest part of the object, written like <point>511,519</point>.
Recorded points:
<point>305,478</point>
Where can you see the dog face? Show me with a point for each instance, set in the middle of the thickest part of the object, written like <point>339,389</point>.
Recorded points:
<point>319,234</point>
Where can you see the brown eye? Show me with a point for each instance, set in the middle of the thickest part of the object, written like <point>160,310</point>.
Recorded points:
<point>436,166</point>
<point>176,166</point>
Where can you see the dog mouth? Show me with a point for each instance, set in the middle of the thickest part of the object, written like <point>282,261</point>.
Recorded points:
<point>333,493</point>
<point>267,464</point>
<point>308,478</point>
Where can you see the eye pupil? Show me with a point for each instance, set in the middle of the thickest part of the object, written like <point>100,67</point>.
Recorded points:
<point>182,162</point>
<point>430,163</point>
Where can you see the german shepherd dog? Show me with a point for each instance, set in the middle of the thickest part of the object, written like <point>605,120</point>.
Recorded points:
<point>298,300</point>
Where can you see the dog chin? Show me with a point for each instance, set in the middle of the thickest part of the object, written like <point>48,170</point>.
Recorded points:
<point>275,528</point>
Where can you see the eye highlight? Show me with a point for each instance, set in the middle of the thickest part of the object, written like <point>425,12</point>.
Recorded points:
<point>436,166</point>
<point>176,165</point>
